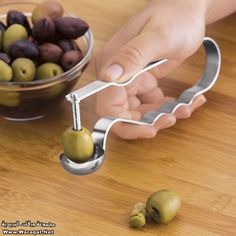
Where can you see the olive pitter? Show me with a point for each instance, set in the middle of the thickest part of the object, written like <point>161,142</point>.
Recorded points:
<point>103,125</point>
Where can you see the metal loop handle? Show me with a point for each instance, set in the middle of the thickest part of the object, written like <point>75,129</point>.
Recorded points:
<point>208,79</point>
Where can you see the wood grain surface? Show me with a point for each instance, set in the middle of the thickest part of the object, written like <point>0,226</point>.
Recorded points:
<point>197,157</point>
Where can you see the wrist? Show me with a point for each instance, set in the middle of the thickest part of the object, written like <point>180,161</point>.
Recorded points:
<point>199,7</point>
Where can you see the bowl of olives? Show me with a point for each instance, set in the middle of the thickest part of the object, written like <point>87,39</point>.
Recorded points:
<point>43,52</point>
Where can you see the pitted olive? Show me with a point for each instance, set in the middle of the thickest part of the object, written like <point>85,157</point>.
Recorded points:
<point>163,205</point>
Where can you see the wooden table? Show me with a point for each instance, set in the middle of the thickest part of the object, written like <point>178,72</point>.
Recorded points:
<point>197,157</point>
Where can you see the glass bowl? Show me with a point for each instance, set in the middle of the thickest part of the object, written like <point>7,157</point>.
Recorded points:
<point>22,101</point>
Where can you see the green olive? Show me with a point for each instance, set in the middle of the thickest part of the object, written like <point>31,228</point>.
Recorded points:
<point>5,71</point>
<point>48,70</point>
<point>137,217</point>
<point>13,34</point>
<point>9,99</point>
<point>163,205</point>
<point>23,70</point>
<point>78,145</point>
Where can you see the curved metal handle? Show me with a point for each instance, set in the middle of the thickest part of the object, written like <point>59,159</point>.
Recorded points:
<point>99,85</point>
<point>208,79</point>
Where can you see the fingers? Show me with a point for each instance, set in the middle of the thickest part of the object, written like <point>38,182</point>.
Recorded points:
<point>134,102</point>
<point>153,34</point>
<point>151,106</point>
<point>185,112</point>
<point>144,90</point>
<point>131,131</point>
<point>154,96</point>
<point>111,97</point>
<point>164,69</point>
<point>130,30</point>
<point>198,102</point>
<point>142,84</point>
<point>128,131</point>
<point>171,122</point>
<point>134,55</point>
<point>116,102</point>
<point>120,96</point>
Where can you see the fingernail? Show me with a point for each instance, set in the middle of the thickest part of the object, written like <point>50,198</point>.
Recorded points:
<point>114,72</point>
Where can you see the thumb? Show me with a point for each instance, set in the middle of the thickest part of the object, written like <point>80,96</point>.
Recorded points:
<point>134,56</point>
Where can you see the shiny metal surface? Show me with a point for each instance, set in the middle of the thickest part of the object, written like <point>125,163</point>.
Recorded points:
<point>96,86</point>
<point>99,85</point>
<point>102,127</point>
<point>76,113</point>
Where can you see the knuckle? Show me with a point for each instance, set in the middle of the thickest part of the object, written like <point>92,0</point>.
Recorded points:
<point>132,54</point>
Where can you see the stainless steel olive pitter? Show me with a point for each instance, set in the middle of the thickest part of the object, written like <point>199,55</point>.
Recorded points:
<point>102,127</point>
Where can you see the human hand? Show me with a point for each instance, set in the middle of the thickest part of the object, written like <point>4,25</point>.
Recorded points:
<point>164,29</point>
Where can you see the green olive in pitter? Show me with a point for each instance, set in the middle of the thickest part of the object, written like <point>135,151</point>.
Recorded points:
<point>163,205</point>
<point>78,145</point>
